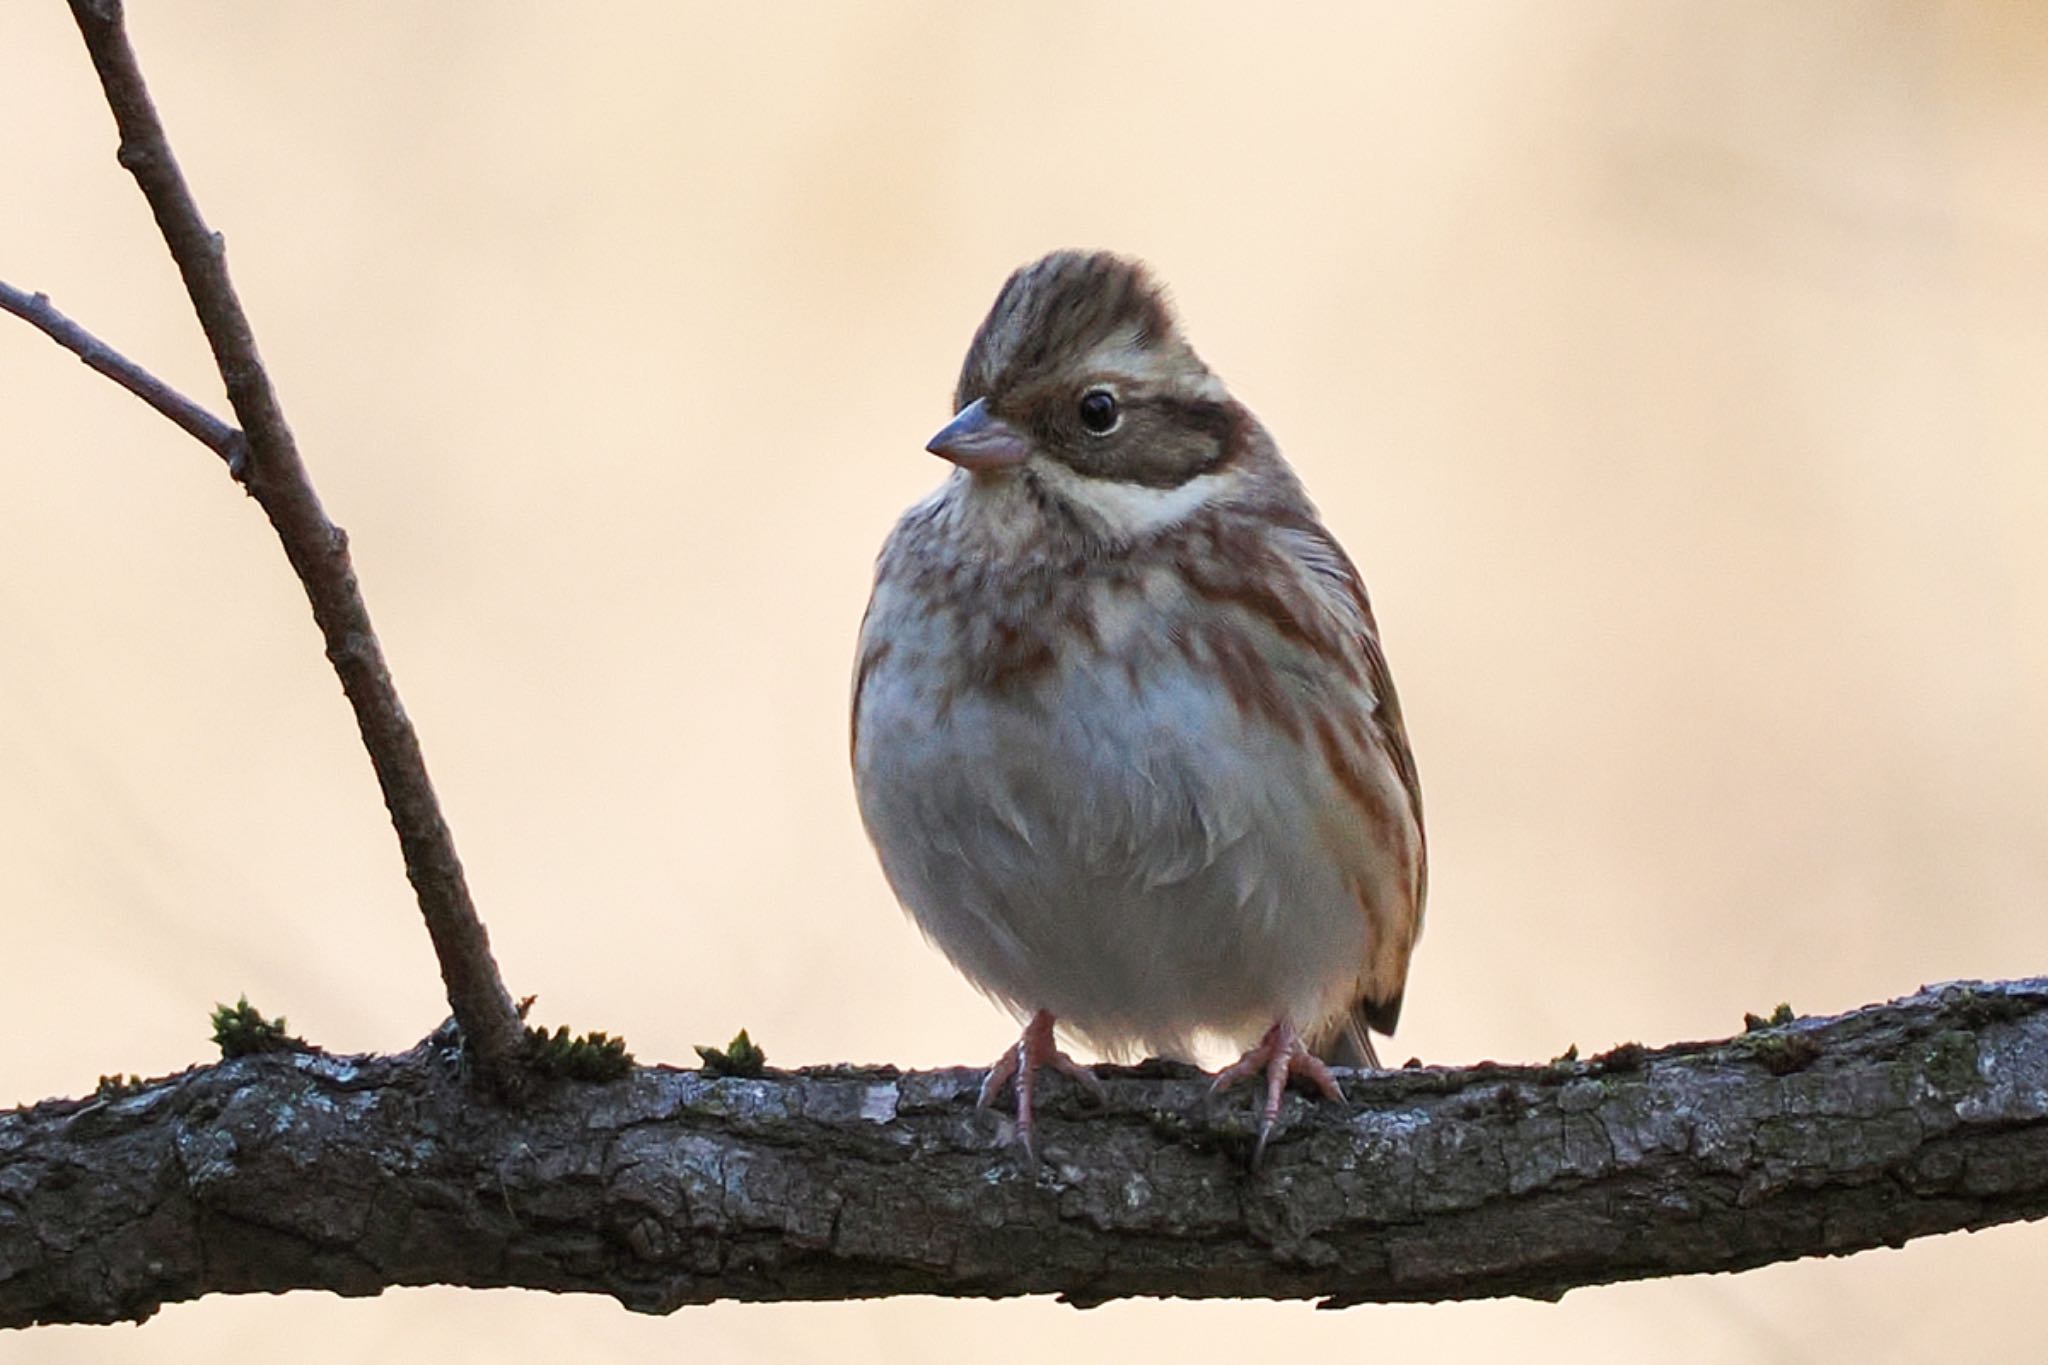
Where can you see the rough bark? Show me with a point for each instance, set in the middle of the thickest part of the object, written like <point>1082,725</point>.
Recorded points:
<point>1821,1136</point>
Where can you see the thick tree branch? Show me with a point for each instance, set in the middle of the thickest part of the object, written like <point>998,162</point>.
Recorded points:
<point>318,551</point>
<point>1819,1137</point>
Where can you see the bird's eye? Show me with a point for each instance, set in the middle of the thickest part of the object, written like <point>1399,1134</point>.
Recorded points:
<point>1098,411</point>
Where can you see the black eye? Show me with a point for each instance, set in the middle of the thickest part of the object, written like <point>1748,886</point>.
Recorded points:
<point>1098,411</point>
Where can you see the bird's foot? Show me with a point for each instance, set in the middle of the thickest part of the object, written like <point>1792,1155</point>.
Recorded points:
<point>1021,1063</point>
<point>1279,1055</point>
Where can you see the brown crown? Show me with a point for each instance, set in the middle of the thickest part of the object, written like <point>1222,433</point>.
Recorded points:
<point>1062,305</point>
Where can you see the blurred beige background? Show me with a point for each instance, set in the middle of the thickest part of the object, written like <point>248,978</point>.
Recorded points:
<point>1674,372</point>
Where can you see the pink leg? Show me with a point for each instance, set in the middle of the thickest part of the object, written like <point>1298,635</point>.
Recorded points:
<point>1033,1050</point>
<point>1279,1055</point>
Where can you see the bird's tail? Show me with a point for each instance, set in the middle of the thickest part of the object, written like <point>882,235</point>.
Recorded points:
<point>1346,1043</point>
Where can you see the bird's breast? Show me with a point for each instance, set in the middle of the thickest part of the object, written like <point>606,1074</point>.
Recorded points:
<point>1087,813</point>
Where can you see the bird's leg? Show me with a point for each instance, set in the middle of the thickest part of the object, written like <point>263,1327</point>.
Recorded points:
<point>1033,1050</point>
<point>1279,1055</point>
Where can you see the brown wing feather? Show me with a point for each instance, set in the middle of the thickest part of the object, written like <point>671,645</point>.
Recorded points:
<point>1346,1041</point>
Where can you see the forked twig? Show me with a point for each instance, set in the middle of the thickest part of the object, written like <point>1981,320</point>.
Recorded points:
<point>216,435</point>
<point>265,458</point>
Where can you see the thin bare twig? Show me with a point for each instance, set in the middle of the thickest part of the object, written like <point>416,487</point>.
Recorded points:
<point>318,551</point>
<point>216,435</point>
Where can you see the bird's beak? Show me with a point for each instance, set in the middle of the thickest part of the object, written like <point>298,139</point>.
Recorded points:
<point>978,439</point>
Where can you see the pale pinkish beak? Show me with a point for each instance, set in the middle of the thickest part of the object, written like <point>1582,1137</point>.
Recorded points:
<point>977,439</point>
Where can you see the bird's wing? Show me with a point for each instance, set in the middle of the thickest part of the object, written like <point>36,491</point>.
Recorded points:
<point>1381,742</point>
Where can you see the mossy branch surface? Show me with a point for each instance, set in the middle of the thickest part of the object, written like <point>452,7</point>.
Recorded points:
<point>242,1030</point>
<point>661,1188</point>
<point>591,1057</point>
<point>740,1057</point>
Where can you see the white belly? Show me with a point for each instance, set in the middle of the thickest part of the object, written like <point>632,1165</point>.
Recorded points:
<point>1131,854</point>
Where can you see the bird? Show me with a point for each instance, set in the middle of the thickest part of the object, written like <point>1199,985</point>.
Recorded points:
<point>1122,732</point>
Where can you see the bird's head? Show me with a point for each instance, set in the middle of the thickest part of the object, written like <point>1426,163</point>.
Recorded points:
<point>1080,382</point>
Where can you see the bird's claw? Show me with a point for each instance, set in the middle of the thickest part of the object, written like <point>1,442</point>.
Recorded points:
<point>1035,1049</point>
<point>1279,1056</point>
